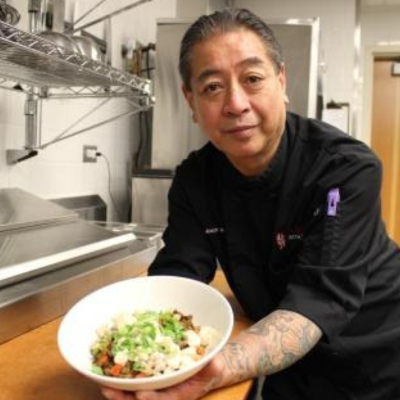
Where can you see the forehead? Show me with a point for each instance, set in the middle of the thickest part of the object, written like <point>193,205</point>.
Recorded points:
<point>228,50</point>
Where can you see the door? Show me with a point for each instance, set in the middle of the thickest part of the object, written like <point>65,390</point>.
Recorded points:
<point>385,139</point>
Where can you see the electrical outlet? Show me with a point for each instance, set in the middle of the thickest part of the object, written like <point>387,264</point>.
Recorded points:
<point>89,153</point>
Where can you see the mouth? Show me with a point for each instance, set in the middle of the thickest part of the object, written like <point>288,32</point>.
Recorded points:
<point>239,129</point>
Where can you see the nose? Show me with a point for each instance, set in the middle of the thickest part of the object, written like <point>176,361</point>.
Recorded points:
<point>236,101</point>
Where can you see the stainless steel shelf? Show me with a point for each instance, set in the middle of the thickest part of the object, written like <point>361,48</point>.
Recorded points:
<point>32,60</point>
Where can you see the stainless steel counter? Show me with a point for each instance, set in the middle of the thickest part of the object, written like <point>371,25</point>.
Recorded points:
<point>37,236</point>
<point>50,258</point>
<point>32,302</point>
<point>20,209</point>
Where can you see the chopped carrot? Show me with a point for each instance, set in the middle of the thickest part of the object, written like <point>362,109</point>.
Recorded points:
<point>116,370</point>
<point>200,350</point>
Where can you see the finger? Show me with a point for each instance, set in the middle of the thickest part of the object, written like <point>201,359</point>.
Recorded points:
<point>152,395</point>
<point>164,394</point>
<point>113,394</point>
<point>183,391</point>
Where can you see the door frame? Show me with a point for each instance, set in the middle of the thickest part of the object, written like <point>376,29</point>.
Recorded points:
<point>371,53</point>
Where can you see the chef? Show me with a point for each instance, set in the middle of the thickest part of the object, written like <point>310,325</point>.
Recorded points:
<point>290,209</point>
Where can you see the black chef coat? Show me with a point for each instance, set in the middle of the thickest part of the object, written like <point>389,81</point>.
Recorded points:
<point>305,236</point>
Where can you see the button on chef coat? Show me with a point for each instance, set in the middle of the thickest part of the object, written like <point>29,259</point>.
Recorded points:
<point>305,236</point>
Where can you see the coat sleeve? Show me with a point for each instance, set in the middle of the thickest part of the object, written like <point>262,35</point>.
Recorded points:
<point>340,248</point>
<point>187,251</point>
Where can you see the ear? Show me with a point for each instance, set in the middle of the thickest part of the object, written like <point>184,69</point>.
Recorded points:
<point>189,98</point>
<point>282,77</point>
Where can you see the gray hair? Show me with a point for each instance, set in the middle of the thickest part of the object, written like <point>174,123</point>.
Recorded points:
<point>220,22</point>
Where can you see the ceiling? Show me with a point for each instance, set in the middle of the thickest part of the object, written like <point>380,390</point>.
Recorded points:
<point>380,2</point>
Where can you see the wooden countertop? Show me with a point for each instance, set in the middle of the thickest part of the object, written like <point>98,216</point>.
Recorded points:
<point>31,367</point>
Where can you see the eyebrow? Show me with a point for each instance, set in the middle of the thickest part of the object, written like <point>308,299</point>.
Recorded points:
<point>248,62</point>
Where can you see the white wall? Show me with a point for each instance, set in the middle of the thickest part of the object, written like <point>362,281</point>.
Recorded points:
<point>380,35</point>
<point>337,21</point>
<point>58,171</point>
<point>380,25</point>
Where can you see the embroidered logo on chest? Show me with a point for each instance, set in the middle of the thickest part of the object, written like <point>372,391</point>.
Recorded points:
<point>282,239</point>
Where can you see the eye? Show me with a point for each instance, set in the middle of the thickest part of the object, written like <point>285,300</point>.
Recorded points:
<point>254,79</point>
<point>212,88</point>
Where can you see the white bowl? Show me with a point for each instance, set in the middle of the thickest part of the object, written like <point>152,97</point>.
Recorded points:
<point>77,331</point>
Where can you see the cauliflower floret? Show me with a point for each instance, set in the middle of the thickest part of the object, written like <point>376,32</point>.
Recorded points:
<point>173,361</point>
<point>168,344</point>
<point>156,364</point>
<point>209,336</point>
<point>121,358</point>
<point>160,363</point>
<point>123,319</point>
<point>192,338</point>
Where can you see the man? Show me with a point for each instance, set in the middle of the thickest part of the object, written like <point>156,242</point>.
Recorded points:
<point>290,209</point>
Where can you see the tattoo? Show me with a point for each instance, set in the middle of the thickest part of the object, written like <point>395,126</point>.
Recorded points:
<point>272,344</point>
<point>288,336</point>
<point>236,359</point>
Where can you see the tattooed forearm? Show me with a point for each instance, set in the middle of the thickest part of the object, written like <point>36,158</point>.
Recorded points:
<point>287,336</point>
<point>272,344</point>
<point>237,360</point>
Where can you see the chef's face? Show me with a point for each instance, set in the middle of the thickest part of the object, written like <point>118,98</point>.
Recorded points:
<point>238,98</point>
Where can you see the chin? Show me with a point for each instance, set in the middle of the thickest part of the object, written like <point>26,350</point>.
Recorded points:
<point>249,149</point>
<point>243,155</point>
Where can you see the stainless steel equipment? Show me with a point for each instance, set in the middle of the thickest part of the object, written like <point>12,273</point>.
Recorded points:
<point>8,14</point>
<point>43,69</point>
<point>28,58</point>
<point>88,47</point>
<point>50,258</point>
<point>64,43</point>
<point>90,207</point>
<point>150,196</point>
<point>38,236</point>
<point>150,235</point>
<point>19,209</point>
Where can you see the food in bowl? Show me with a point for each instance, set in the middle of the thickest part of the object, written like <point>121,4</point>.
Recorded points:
<point>150,343</point>
<point>79,329</point>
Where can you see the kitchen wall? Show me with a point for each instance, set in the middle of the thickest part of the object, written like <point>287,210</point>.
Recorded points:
<point>337,22</point>
<point>58,171</point>
<point>380,35</point>
<point>380,25</point>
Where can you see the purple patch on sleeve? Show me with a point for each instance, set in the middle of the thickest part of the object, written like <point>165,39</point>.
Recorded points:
<point>333,201</point>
